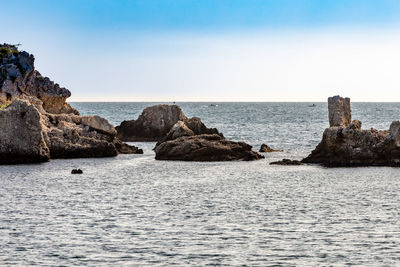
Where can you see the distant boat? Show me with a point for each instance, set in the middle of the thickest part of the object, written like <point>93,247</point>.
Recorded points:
<point>312,106</point>
<point>213,105</point>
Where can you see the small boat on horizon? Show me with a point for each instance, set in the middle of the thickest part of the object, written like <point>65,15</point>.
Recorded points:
<point>312,106</point>
<point>213,105</point>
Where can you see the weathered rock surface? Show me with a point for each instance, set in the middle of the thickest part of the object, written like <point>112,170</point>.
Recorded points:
<point>339,111</point>
<point>266,149</point>
<point>351,146</point>
<point>38,124</point>
<point>155,122</point>
<point>21,135</point>
<point>287,162</point>
<point>204,147</point>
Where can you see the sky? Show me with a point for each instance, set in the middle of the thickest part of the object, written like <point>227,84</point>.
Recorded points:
<point>203,50</point>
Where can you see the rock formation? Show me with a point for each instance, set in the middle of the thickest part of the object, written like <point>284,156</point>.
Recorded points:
<point>185,141</point>
<point>156,121</point>
<point>204,147</point>
<point>181,138</point>
<point>38,124</point>
<point>266,149</point>
<point>339,111</point>
<point>287,162</point>
<point>346,144</point>
<point>19,79</point>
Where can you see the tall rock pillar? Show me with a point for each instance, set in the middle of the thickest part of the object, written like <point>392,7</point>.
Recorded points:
<point>339,111</point>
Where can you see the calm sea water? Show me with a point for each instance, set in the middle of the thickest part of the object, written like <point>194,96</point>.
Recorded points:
<point>134,211</point>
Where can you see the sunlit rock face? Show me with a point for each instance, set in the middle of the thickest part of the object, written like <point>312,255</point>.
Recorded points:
<point>346,144</point>
<point>37,122</point>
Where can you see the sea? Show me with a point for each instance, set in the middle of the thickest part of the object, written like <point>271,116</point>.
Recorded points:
<point>132,210</point>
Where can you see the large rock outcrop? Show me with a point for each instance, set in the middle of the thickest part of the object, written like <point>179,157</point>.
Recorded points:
<point>346,144</point>
<point>204,147</point>
<point>185,141</point>
<point>38,124</point>
<point>181,138</point>
<point>156,121</point>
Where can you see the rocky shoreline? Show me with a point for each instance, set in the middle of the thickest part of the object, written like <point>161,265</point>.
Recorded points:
<point>37,122</point>
<point>38,125</point>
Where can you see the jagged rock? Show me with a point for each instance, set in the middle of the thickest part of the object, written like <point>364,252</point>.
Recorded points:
<point>352,146</point>
<point>204,147</point>
<point>339,111</point>
<point>155,122</point>
<point>287,162</point>
<point>266,149</point>
<point>38,124</point>
<point>19,79</point>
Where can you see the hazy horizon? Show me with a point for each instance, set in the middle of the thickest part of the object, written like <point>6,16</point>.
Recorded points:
<point>230,51</point>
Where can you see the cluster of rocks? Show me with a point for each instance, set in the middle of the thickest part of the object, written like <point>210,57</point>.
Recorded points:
<point>182,138</point>
<point>344,143</point>
<point>155,123</point>
<point>37,122</point>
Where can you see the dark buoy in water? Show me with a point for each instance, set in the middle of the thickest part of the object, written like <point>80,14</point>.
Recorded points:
<point>76,171</point>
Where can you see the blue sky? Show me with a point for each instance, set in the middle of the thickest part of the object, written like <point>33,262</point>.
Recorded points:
<point>188,50</point>
<point>188,15</point>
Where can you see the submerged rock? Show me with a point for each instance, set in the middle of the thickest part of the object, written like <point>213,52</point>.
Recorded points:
<point>38,124</point>
<point>349,145</point>
<point>155,122</point>
<point>287,162</point>
<point>266,149</point>
<point>205,147</point>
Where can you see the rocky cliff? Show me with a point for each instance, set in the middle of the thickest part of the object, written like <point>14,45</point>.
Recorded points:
<point>344,143</point>
<point>38,123</point>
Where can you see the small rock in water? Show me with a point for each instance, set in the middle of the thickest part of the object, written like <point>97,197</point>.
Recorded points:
<point>287,162</point>
<point>76,171</point>
<point>266,148</point>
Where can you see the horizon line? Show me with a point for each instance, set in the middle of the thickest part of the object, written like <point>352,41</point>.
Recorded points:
<point>288,101</point>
